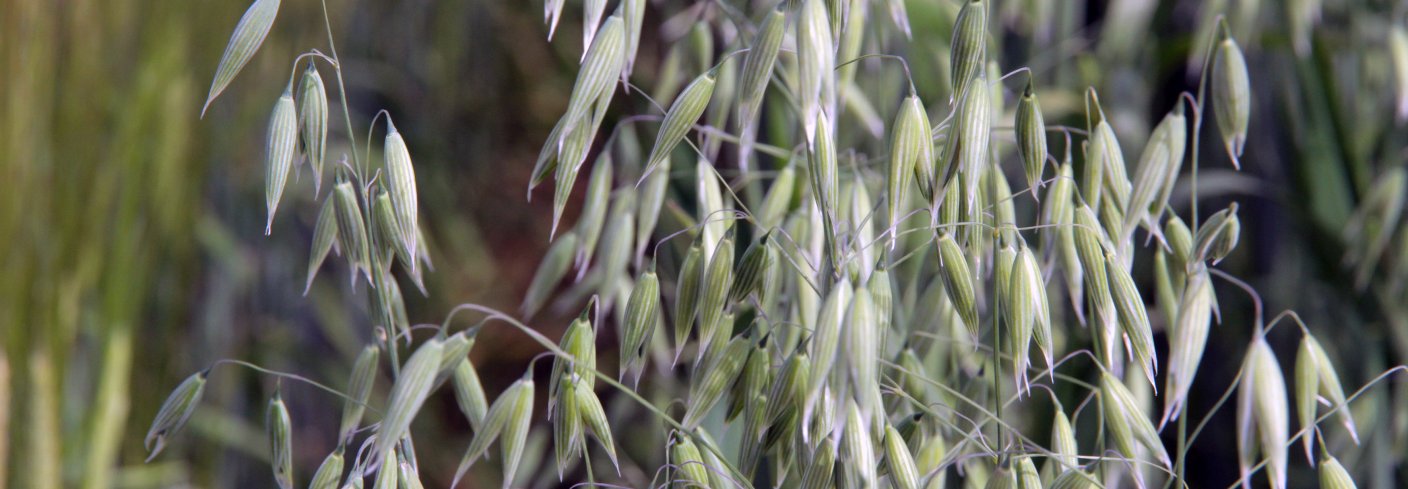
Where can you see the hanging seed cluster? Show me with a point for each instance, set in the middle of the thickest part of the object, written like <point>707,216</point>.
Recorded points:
<point>846,302</point>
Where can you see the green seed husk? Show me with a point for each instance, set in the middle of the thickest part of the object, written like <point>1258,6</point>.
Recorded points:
<point>174,412</point>
<point>911,154</point>
<point>279,149</point>
<point>553,268</point>
<point>567,436</point>
<point>898,461</point>
<point>633,11</point>
<point>816,60</point>
<point>751,270</point>
<point>758,65</point>
<point>411,389</point>
<point>1316,377</point>
<point>1126,421</point>
<point>685,110</point>
<point>469,393</point>
<point>714,379</point>
<point>1188,337</point>
<point>593,217</point>
<point>777,202</point>
<point>594,419</point>
<point>313,113</point>
<point>1180,242</point>
<point>825,183</point>
<point>351,232</point>
<point>401,184</point>
<point>756,374</point>
<point>652,198</point>
<point>359,389</point>
<point>687,292</point>
<point>958,282</point>
<point>642,314</point>
<point>1334,476</point>
<point>324,240</point>
<point>688,463</point>
<point>601,66</point>
<point>1231,96</point>
<point>857,457</point>
<point>329,474</point>
<point>966,152</point>
<point>1074,479</point>
<point>826,338</point>
<point>279,428</point>
<point>244,42</point>
<point>509,416</point>
<point>968,54</point>
<point>1210,242</point>
<point>1031,136</point>
<point>1262,407</point>
<point>1134,319</point>
<point>819,469</point>
<point>546,164</point>
<point>1089,241</point>
<point>713,294</point>
<point>1159,161</point>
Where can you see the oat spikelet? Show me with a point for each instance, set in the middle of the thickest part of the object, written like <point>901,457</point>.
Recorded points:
<point>279,152</point>
<point>244,42</point>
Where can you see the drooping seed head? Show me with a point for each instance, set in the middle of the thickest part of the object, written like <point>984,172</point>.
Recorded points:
<point>900,463</point>
<point>324,240</point>
<point>329,474</point>
<point>1180,242</point>
<point>551,270</point>
<point>758,65</point>
<point>279,149</point>
<point>1334,476</point>
<point>713,294</point>
<point>1134,319</point>
<point>1316,377</point>
<point>751,269</point>
<point>687,292</point>
<point>351,232</point>
<point>958,282</point>
<point>249,34</point>
<point>685,110</point>
<point>967,54</point>
<point>1187,340</point>
<point>642,314</point>
<point>359,390</point>
<point>408,395</point>
<point>1126,420</point>
<point>604,60</point>
<point>1263,414</point>
<point>1231,96</point>
<point>688,463</point>
<point>911,153</point>
<point>1031,136</point>
<point>279,428</point>
<point>857,454</point>
<point>816,62</point>
<point>469,394</point>
<point>401,182</point>
<point>313,113</point>
<point>174,412</point>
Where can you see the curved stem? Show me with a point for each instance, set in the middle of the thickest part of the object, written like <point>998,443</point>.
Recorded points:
<point>296,377</point>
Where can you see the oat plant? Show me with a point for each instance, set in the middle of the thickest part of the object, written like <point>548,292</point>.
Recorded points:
<point>818,272</point>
